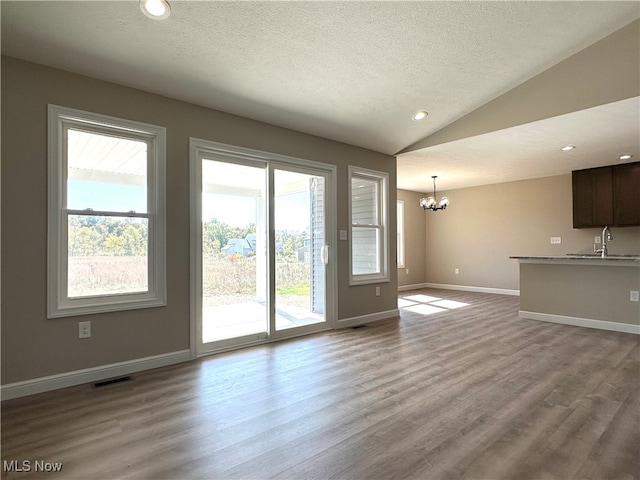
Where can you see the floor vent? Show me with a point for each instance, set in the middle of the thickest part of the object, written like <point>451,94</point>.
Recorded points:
<point>359,326</point>
<point>111,381</point>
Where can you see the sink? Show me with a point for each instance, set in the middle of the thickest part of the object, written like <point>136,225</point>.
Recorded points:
<point>597,255</point>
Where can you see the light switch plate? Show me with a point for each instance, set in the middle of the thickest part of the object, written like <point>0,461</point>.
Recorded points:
<point>556,240</point>
<point>634,295</point>
<point>343,234</point>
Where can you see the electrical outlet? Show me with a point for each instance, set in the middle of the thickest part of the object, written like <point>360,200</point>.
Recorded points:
<point>407,271</point>
<point>456,271</point>
<point>84,329</point>
<point>556,240</point>
<point>597,240</point>
<point>377,291</point>
<point>634,296</point>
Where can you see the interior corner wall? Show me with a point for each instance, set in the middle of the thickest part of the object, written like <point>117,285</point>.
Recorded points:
<point>414,270</point>
<point>34,346</point>
<point>485,225</point>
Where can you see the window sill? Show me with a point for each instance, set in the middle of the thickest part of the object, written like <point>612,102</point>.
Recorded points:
<point>72,309</point>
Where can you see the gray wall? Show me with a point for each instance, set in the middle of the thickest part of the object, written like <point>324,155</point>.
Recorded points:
<point>32,345</point>
<point>595,292</point>
<point>484,225</point>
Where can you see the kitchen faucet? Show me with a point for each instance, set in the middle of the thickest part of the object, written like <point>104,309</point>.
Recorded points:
<point>606,237</point>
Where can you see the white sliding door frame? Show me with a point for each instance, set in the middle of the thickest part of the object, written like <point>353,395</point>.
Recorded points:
<point>198,150</point>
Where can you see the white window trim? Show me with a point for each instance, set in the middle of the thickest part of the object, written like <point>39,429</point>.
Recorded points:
<point>58,302</point>
<point>383,275</point>
<point>400,234</point>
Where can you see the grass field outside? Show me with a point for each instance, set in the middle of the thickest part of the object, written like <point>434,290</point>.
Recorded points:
<point>225,279</point>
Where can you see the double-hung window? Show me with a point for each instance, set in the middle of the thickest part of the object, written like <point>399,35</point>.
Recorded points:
<point>106,243</point>
<point>368,195</point>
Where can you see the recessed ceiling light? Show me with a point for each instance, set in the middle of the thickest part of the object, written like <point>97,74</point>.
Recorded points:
<point>420,115</point>
<point>626,156</point>
<point>567,148</point>
<point>156,9</point>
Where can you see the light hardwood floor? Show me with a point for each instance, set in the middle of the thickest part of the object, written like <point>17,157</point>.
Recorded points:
<point>471,392</point>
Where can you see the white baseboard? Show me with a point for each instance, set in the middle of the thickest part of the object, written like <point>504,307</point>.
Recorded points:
<point>466,288</point>
<point>417,286</point>
<point>581,322</point>
<point>372,317</point>
<point>87,375</point>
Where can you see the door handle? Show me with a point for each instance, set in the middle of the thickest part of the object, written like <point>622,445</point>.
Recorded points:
<point>324,254</point>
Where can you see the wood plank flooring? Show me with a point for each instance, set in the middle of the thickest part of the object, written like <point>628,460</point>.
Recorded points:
<point>472,392</point>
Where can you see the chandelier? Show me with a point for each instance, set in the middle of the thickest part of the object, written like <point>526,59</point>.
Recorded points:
<point>429,203</point>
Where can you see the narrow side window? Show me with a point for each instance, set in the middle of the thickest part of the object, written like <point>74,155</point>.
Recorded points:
<point>368,198</point>
<point>400,235</point>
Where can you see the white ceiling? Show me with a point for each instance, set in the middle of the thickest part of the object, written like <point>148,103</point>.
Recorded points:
<point>349,71</point>
<point>532,150</point>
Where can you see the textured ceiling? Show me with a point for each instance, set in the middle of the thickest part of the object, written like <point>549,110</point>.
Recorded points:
<point>349,71</point>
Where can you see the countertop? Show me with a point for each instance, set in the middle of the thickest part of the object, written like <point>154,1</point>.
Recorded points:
<point>581,259</point>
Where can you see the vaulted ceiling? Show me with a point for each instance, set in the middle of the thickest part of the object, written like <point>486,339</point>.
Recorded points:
<point>356,72</point>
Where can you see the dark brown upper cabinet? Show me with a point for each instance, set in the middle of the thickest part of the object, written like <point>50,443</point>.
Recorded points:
<point>607,196</point>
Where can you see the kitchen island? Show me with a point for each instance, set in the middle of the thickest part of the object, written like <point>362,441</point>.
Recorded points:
<point>582,290</point>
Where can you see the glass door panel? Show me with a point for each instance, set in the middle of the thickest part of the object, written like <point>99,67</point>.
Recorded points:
<point>234,253</point>
<point>300,252</point>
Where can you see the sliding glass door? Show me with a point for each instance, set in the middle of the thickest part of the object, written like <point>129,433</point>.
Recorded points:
<point>261,249</point>
<point>299,221</point>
